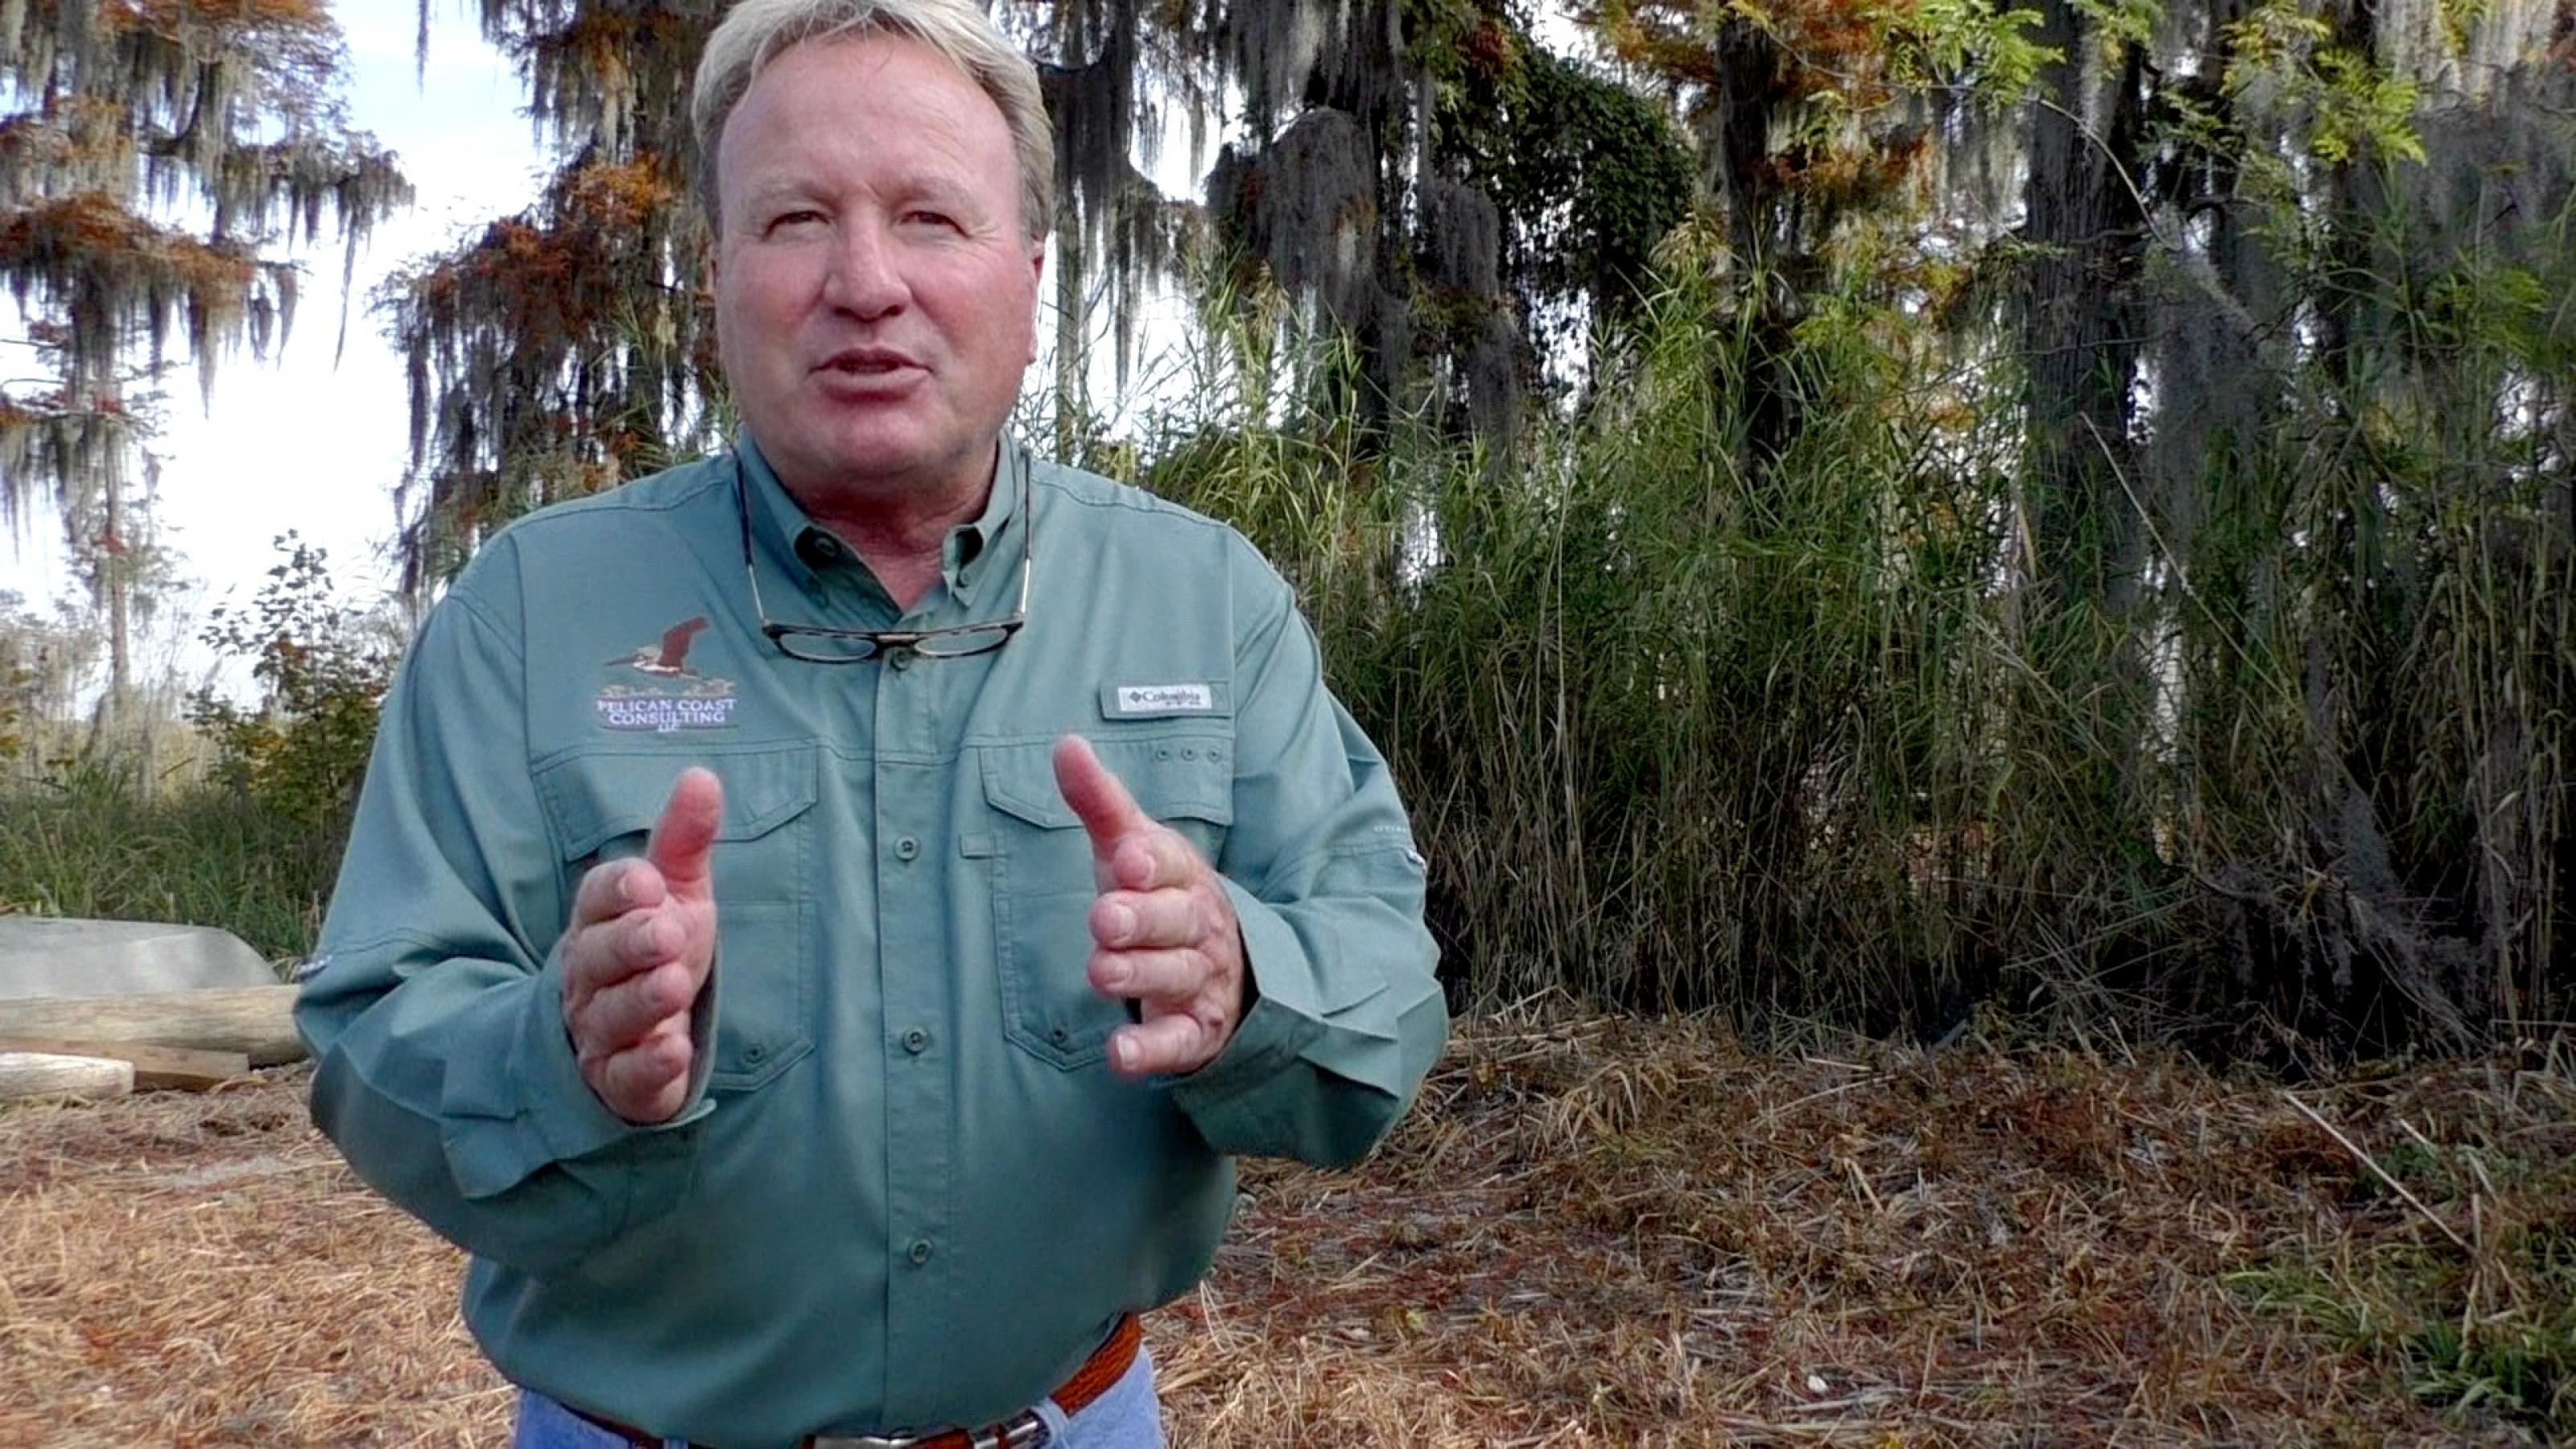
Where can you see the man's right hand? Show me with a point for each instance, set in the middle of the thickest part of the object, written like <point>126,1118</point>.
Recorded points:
<point>636,955</point>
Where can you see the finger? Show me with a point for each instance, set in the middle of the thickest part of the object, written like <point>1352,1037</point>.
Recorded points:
<point>612,950</point>
<point>1167,1045</point>
<point>1108,813</point>
<point>614,954</point>
<point>611,890</point>
<point>594,958</point>
<point>617,1017</point>
<point>1154,859</point>
<point>1127,920</point>
<point>647,1082</point>
<point>685,836</point>
<point>1149,975</point>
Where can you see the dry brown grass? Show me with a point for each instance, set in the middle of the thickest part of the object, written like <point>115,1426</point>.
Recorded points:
<point>202,1270</point>
<point>1594,1231</point>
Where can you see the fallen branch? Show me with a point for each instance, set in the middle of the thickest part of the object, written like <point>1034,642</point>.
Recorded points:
<point>256,1021</point>
<point>40,1074</point>
<point>2379,1172</point>
<point>155,1067</point>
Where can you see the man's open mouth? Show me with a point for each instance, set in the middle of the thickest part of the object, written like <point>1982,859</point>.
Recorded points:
<point>868,362</point>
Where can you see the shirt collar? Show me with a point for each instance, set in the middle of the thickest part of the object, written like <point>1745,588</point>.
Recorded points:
<point>973,553</point>
<point>785,535</point>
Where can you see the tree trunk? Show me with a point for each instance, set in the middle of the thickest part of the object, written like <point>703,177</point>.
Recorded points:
<point>1748,91</point>
<point>1072,396</point>
<point>112,576</point>
<point>2080,317</point>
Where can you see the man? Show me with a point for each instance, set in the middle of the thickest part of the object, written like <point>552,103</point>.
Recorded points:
<point>821,919</point>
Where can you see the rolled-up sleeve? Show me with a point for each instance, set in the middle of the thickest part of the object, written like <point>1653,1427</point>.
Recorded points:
<point>433,1004</point>
<point>1347,1015</point>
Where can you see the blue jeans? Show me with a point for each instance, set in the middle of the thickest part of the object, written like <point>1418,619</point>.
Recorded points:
<point>1125,1416</point>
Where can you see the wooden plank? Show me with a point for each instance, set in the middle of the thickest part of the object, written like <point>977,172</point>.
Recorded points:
<point>156,1068</point>
<point>40,1074</point>
<point>257,1021</point>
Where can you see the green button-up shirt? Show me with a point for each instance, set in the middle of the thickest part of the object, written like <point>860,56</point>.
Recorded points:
<point>907,1191</point>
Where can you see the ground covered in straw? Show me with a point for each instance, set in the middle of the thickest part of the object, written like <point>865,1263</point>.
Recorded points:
<point>1595,1231</point>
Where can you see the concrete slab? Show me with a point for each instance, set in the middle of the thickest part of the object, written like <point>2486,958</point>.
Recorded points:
<point>44,956</point>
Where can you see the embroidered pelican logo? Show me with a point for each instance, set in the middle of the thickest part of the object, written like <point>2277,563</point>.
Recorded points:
<point>672,656</point>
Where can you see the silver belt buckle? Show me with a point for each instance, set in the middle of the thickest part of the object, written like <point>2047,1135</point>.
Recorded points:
<point>1023,1430</point>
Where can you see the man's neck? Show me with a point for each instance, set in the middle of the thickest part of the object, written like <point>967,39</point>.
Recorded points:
<point>901,535</point>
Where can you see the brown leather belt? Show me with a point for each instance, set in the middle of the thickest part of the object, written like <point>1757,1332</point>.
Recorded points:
<point>1107,1365</point>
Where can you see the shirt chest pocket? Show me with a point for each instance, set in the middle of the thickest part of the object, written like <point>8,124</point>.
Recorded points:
<point>1042,882</point>
<point>601,807</point>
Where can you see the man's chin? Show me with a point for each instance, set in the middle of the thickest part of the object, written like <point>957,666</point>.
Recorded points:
<point>881,459</point>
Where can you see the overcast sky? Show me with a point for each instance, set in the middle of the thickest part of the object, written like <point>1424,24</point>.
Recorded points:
<point>297,442</point>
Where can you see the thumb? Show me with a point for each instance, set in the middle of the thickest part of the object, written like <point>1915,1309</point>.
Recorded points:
<point>686,834</point>
<point>1108,813</point>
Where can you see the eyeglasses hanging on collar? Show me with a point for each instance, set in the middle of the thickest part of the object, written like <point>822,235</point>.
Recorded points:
<point>818,644</point>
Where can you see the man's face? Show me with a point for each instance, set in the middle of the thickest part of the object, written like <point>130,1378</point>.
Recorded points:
<point>875,291</point>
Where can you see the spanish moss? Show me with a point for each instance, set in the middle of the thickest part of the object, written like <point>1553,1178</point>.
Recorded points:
<point>122,119</point>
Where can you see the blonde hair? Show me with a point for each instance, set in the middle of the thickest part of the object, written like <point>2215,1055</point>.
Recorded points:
<point>757,32</point>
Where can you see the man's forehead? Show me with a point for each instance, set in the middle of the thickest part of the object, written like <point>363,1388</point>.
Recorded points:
<point>930,98</point>
<point>859,59</point>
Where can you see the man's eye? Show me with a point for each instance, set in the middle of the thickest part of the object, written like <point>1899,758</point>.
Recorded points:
<point>932,218</point>
<point>794,218</point>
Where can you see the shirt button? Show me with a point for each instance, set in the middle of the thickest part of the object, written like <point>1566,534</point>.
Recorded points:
<point>906,848</point>
<point>916,1041</point>
<point>900,659</point>
<point>754,1052</point>
<point>919,1252</point>
<point>1189,754</point>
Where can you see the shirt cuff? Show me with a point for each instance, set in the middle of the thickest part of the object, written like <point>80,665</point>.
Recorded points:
<point>570,1116</point>
<point>537,1109</point>
<point>1285,1019</point>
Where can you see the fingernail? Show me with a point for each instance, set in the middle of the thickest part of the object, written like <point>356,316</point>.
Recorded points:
<point>1125,1051</point>
<point>626,887</point>
<point>1122,922</point>
<point>1116,977</point>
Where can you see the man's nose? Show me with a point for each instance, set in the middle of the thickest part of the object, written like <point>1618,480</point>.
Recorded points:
<point>867,273</point>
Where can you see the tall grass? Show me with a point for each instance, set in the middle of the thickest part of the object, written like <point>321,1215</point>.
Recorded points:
<point>87,839</point>
<point>1810,732</point>
<point>1813,737</point>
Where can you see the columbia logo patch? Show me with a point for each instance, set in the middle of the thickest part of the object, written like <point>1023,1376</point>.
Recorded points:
<point>1166,699</point>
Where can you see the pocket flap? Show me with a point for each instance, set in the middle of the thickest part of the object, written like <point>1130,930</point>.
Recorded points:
<point>1171,776</point>
<point>595,798</point>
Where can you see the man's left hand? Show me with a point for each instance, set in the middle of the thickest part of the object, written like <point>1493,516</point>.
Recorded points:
<point>1163,931</point>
